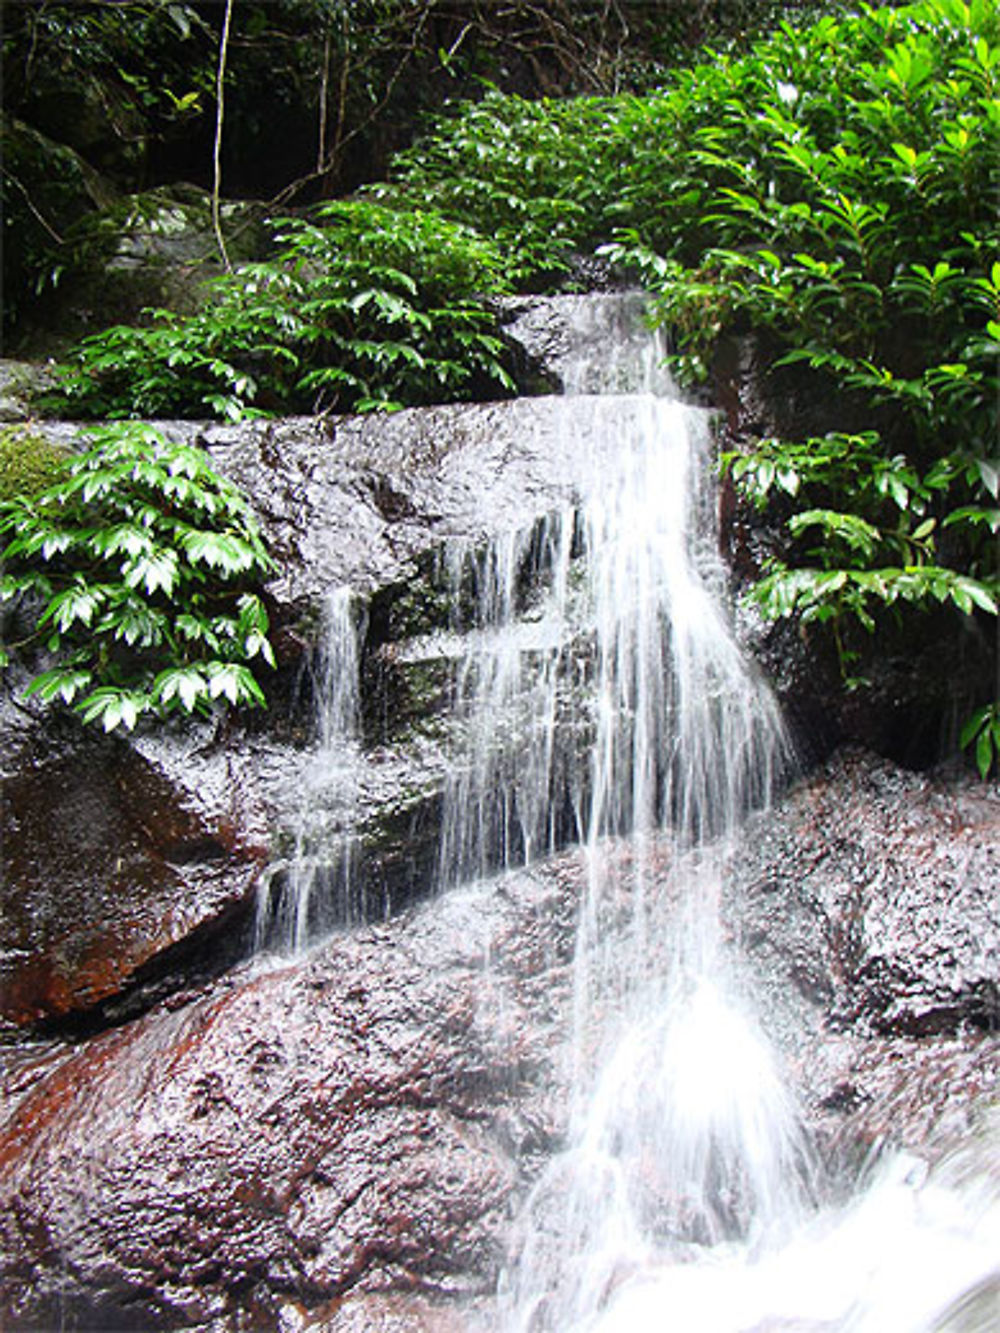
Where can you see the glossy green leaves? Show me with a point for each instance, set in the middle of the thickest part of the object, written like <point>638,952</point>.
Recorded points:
<point>367,308</point>
<point>138,568</point>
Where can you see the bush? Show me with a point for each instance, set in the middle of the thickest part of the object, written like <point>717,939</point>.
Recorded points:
<point>368,308</point>
<point>138,568</point>
<point>839,195</point>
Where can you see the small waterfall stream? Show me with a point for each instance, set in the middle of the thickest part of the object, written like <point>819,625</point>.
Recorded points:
<point>630,706</point>
<point>302,896</point>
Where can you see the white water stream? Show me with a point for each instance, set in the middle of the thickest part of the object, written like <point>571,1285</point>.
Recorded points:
<point>299,895</point>
<point>616,707</point>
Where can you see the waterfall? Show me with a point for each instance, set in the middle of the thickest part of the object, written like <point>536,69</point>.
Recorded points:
<point>604,700</point>
<point>598,699</point>
<point>314,887</point>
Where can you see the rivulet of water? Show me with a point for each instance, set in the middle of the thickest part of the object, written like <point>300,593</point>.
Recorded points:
<point>682,1132</point>
<point>315,883</point>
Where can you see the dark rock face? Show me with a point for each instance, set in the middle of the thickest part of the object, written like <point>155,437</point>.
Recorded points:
<point>108,863</point>
<point>338,1143</point>
<point>152,249</point>
<point>347,1124</point>
<point>900,873</point>
<point>19,382</point>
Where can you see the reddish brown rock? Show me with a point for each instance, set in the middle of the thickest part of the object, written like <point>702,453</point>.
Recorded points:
<point>347,1124</point>
<point>337,1145</point>
<point>108,864</point>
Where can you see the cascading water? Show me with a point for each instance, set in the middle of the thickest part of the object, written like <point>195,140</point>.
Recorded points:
<point>687,1196</point>
<point>599,698</point>
<point>616,708</point>
<point>314,886</point>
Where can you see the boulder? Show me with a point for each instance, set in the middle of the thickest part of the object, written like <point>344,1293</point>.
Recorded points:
<point>133,252</point>
<point>364,503</point>
<point>864,906</point>
<point>338,1142</point>
<point>110,864</point>
<point>344,1125</point>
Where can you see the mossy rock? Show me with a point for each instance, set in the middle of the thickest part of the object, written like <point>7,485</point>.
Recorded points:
<point>28,462</point>
<point>20,383</point>
<point>149,250</point>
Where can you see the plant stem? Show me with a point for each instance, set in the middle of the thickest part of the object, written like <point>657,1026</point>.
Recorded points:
<point>220,106</point>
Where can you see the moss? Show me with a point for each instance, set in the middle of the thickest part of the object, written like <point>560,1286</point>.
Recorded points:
<point>28,462</point>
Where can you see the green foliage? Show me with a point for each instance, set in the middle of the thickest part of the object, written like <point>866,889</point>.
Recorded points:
<point>138,568</point>
<point>518,170</point>
<point>368,308</point>
<point>837,188</point>
<point>982,733</point>
<point>831,187</point>
<point>28,462</point>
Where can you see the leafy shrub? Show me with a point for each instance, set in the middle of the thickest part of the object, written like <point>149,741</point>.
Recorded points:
<point>843,182</point>
<point>832,187</point>
<point>138,568</point>
<point>517,170</point>
<point>370,308</point>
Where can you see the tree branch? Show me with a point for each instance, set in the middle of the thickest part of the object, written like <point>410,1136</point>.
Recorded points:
<point>340,142</point>
<point>220,109</point>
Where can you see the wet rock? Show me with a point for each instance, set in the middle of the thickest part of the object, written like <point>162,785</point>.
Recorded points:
<point>338,1142</point>
<point>108,865</point>
<point>363,502</point>
<point>885,882</point>
<point>391,1313</point>
<point>865,906</point>
<point>344,1125</point>
<point>580,343</point>
<point>20,382</point>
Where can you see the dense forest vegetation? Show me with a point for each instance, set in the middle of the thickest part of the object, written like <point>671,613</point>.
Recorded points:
<point>824,182</point>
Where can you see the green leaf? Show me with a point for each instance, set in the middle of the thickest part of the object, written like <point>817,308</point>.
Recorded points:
<point>234,682</point>
<point>219,550</point>
<point>157,571</point>
<point>971,592</point>
<point>63,683</point>
<point>974,724</point>
<point>186,685</point>
<point>113,707</point>
<point>77,603</point>
<point>984,753</point>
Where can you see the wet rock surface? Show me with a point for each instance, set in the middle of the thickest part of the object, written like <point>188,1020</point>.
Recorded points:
<point>109,861</point>
<point>865,908</point>
<point>19,382</point>
<point>338,1143</point>
<point>365,503</point>
<point>899,872</point>
<point>344,1124</point>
